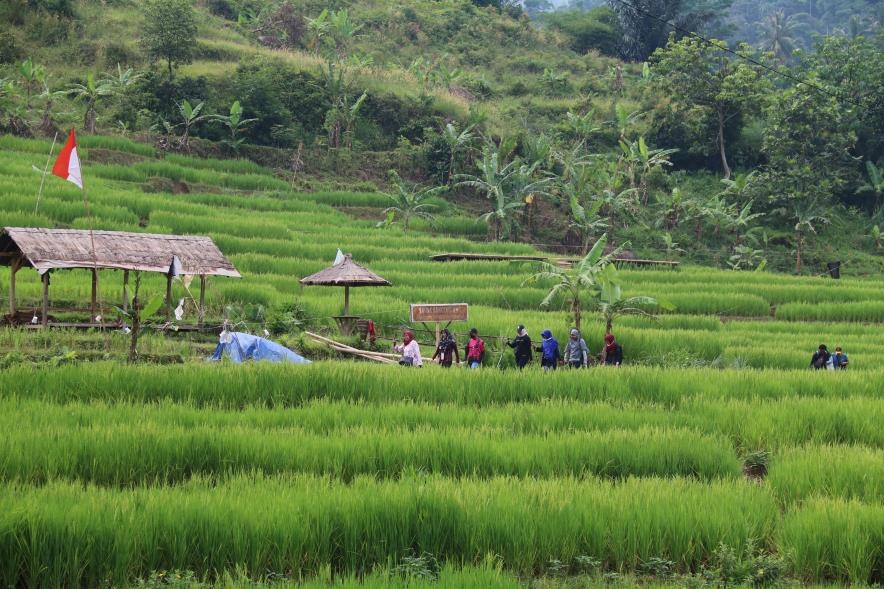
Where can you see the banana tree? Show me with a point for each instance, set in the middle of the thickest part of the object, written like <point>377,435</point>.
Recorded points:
<point>611,304</point>
<point>579,281</point>
<point>410,201</point>
<point>506,186</point>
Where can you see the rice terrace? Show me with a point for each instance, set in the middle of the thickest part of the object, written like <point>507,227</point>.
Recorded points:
<point>490,163</point>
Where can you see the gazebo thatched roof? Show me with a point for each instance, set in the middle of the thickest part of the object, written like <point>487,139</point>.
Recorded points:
<point>346,273</point>
<point>51,249</point>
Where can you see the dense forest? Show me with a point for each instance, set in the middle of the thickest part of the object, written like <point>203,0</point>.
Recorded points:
<point>727,132</point>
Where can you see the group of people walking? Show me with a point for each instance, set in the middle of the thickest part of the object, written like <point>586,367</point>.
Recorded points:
<point>574,354</point>
<point>822,359</point>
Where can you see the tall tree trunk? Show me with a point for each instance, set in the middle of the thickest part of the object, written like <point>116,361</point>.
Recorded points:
<point>724,165</point>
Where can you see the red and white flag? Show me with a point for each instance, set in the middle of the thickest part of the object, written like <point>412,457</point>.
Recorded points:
<point>67,166</point>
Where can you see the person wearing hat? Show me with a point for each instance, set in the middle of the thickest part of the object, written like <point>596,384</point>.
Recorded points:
<point>576,351</point>
<point>549,347</point>
<point>475,349</point>
<point>521,344</point>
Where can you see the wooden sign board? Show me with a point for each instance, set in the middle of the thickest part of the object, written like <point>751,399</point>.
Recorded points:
<point>439,313</point>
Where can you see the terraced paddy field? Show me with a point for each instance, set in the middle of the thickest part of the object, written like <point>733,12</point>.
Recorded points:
<point>714,457</point>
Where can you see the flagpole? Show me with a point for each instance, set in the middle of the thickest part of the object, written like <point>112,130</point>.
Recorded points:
<point>95,285</point>
<point>45,170</point>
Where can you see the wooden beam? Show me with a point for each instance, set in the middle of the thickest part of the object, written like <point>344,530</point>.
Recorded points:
<point>94,303</point>
<point>14,267</point>
<point>46,298</point>
<point>126,291</point>
<point>168,297</point>
<point>201,312</point>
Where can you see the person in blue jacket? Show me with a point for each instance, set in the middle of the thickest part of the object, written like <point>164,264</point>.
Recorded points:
<point>838,359</point>
<point>549,348</point>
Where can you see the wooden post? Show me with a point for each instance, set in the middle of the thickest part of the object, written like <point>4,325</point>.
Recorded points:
<point>126,291</point>
<point>201,313</point>
<point>169,296</point>
<point>346,300</point>
<point>94,305</point>
<point>14,266</point>
<point>46,298</point>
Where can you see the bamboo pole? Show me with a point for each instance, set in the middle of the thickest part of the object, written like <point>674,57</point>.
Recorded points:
<point>345,349</point>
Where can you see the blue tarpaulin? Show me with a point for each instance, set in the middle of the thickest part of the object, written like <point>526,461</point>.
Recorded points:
<point>242,346</point>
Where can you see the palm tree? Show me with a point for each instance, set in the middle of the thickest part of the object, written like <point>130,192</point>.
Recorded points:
<point>780,34</point>
<point>581,278</point>
<point>410,201</point>
<point>807,213</point>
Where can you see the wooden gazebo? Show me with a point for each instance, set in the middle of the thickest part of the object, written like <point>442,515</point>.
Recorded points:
<point>345,273</point>
<point>47,250</point>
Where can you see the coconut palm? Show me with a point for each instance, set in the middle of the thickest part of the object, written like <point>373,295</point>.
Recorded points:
<point>579,281</point>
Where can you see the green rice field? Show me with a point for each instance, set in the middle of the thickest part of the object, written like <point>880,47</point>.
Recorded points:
<point>713,457</point>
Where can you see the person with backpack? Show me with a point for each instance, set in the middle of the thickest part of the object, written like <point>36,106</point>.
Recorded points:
<point>549,347</point>
<point>612,353</point>
<point>475,349</point>
<point>446,350</point>
<point>521,344</point>
<point>576,351</point>
<point>820,358</point>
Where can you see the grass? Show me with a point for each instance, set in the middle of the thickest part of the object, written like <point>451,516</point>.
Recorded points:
<point>346,471</point>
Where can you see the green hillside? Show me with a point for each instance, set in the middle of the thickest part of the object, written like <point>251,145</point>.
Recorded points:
<point>780,167</point>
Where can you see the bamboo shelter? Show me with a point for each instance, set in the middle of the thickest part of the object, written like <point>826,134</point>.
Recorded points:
<point>48,250</point>
<point>345,273</point>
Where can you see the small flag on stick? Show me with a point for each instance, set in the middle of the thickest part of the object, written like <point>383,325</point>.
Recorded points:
<point>67,166</point>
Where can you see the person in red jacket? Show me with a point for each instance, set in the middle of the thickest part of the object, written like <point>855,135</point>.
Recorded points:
<point>475,349</point>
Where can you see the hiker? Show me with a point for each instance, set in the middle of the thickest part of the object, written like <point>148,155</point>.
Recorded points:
<point>576,351</point>
<point>446,350</point>
<point>612,353</point>
<point>838,359</point>
<point>475,349</point>
<point>521,345</point>
<point>411,352</point>
<point>820,358</point>
<point>549,347</point>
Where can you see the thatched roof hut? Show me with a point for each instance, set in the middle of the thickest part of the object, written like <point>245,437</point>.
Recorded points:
<point>346,273</point>
<point>55,249</point>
